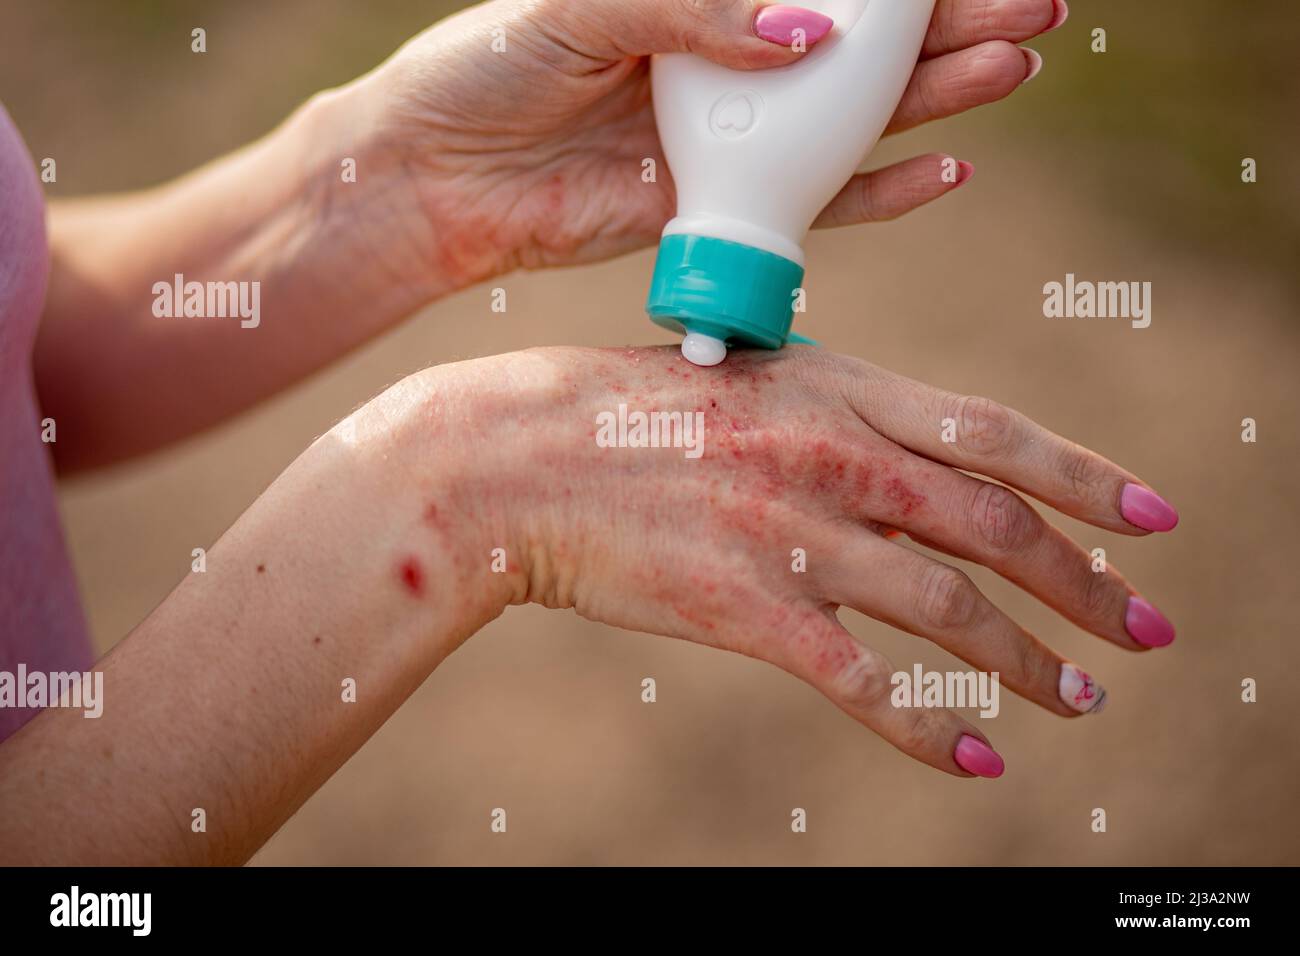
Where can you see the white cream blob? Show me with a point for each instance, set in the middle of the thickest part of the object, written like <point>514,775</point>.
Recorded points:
<point>703,349</point>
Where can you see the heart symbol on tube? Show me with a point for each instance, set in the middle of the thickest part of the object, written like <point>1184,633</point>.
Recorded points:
<point>735,114</point>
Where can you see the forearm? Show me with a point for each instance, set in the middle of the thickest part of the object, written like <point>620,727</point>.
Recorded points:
<point>120,379</point>
<point>231,696</point>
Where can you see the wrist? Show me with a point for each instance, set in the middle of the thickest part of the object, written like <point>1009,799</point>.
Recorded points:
<point>360,200</point>
<point>432,498</point>
<point>494,453</point>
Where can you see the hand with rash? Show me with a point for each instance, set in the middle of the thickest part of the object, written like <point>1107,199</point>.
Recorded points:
<point>802,449</point>
<point>466,488</point>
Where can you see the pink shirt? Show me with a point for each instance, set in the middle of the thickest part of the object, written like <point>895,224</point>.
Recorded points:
<point>41,620</point>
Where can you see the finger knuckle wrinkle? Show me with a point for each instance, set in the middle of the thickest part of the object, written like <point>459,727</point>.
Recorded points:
<point>948,599</point>
<point>705,10</point>
<point>1002,521</point>
<point>1083,473</point>
<point>919,731</point>
<point>868,200</point>
<point>985,428</point>
<point>863,682</point>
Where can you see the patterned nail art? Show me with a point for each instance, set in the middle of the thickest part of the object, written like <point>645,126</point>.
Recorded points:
<point>1080,692</point>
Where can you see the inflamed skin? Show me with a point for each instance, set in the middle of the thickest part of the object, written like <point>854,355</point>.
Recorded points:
<point>822,482</point>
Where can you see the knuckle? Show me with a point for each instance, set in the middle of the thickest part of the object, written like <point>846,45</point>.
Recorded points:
<point>705,12</point>
<point>706,7</point>
<point>986,16</point>
<point>1099,596</point>
<point>920,730</point>
<point>868,199</point>
<point>948,600</point>
<point>1084,473</point>
<point>929,97</point>
<point>1001,520</point>
<point>863,683</point>
<point>984,427</point>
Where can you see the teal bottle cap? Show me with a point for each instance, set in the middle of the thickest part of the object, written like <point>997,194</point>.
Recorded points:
<point>725,290</point>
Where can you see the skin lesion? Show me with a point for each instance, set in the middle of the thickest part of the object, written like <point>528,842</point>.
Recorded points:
<point>411,576</point>
<point>903,495</point>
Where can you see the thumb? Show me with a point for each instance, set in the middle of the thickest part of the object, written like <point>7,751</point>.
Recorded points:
<point>741,34</point>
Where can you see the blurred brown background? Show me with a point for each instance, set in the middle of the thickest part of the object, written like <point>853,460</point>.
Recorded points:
<point>1122,166</point>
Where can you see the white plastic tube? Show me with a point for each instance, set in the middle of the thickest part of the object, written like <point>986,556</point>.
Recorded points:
<point>757,155</point>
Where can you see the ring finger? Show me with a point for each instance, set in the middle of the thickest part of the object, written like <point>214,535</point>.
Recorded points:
<point>936,601</point>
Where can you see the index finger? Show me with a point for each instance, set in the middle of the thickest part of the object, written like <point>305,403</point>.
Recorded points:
<point>977,434</point>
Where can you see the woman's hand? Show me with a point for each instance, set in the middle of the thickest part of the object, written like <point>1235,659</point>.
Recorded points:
<point>467,487</point>
<point>532,154</point>
<point>800,449</point>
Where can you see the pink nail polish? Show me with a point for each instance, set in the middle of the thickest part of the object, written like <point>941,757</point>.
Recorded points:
<point>1035,61</point>
<point>1146,509</point>
<point>1061,14</point>
<point>975,756</point>
<point>965,171</point>
<point>777,24</point>
<point>1146,625</point>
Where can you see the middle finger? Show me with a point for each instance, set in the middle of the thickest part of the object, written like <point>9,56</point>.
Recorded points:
<point>958,24</point>
<point>960,81</point>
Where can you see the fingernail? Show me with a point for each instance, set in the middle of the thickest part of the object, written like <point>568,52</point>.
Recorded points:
<point>1060,16</point>
<point>778,24</point>
<point>975,756</point>
<point>1146,509</point>
<point>1146,625</point>
<point>1035,63</point>
<point>1080,692</point>
<point>965,171</point>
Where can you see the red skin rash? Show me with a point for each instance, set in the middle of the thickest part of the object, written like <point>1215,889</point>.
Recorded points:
<point>823,468</point>
<point>907,499</point>
<point>703,584</point>
<point>434,517</point>
<point>473,253</point>
<point>754,462</point>
<point>410,574</point>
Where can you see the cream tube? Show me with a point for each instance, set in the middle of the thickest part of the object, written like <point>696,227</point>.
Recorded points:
<point>756,156</point>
